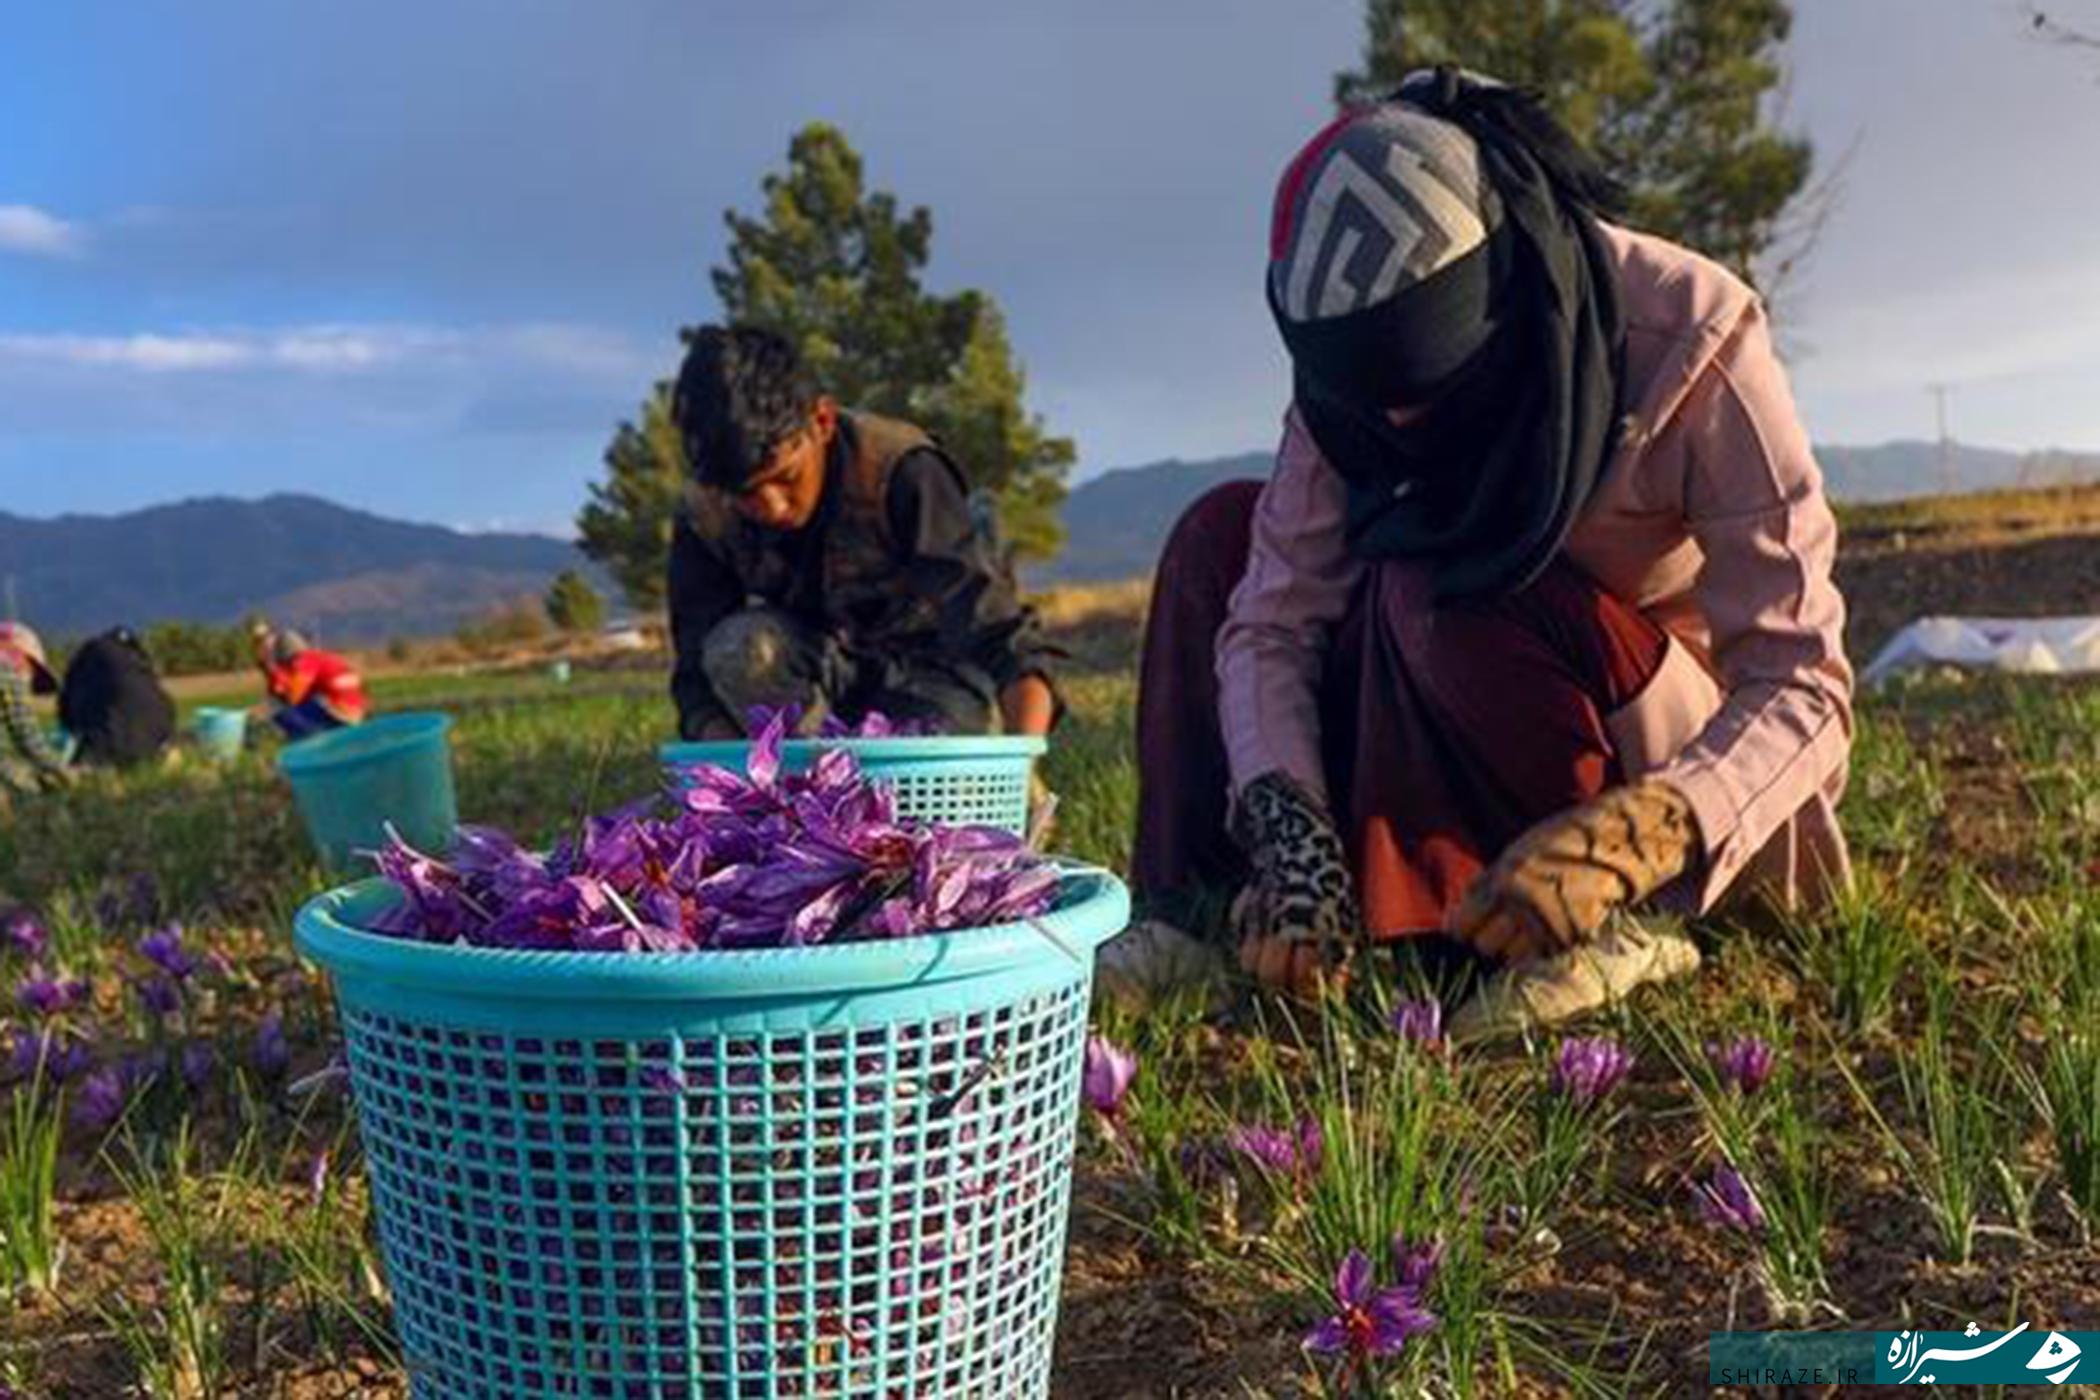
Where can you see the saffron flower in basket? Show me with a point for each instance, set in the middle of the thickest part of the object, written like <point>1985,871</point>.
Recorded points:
<point>759,859</point>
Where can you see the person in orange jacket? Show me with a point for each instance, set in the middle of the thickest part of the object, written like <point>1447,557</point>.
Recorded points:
<point>314,690</point>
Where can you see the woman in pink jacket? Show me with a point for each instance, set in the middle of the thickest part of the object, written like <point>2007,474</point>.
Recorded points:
<point>1533,623</point>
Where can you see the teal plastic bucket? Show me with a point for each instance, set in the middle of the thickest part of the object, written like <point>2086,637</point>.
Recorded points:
<point>975,781</point>
<point>221,733</point>
<point>352,783</point>
<point>828,1171</point>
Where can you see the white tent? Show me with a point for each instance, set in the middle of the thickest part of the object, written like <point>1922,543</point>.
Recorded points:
<point>2028,645</point>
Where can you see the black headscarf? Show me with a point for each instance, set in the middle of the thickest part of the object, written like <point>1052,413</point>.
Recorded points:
<point>1486,484</point>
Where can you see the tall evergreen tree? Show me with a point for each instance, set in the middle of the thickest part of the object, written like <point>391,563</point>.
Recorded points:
<point>836,268</point>
<point>1677,96</point>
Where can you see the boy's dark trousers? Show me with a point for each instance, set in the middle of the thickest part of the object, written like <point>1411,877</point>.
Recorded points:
<point>765,656</point>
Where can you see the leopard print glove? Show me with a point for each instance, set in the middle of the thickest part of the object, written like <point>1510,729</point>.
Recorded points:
<point>1301,889</point>
<point>1555,885</point>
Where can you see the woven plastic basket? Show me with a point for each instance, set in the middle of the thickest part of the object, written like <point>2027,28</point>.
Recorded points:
<point>957,781</point>
<point>830,1171</point>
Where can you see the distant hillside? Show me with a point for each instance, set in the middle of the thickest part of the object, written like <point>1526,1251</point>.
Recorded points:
<point>344,574</point>
<point>1116,523</point>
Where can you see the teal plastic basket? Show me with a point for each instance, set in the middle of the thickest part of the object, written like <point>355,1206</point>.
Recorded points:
<point>221,733</point>
<point>830,1171</point>
<point>352,783</point>
<point>975,781</point>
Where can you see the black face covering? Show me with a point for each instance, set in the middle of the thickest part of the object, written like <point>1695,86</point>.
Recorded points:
<point>1517,348</point>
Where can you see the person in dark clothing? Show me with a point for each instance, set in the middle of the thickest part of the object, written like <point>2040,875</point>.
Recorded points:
<point>831,560</point>
<point>112,703</point>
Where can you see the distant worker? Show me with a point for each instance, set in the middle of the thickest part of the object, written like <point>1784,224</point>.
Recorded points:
<point>29,760</point>
<point>113,704</point>
<point>314,690</point>
<point>832,560</point>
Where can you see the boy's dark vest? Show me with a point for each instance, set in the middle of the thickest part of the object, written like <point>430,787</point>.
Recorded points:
<point>857,583</point>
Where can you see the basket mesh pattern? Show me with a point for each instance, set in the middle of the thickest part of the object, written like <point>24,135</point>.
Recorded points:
<point>952,781</point>
<point>861,1211</point>
<point>987,792</point>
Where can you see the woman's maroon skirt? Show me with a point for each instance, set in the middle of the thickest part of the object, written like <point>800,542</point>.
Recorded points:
<point>1449,729</point>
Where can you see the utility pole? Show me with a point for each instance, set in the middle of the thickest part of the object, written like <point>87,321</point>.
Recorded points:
<point>1949,473</point>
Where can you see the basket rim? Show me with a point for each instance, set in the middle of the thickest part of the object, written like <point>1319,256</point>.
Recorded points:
<point>326,929</point>
<point>378,738</point>
<point>922,747</point>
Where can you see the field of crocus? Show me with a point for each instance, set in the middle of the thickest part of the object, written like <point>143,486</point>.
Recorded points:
<point>1885,1116</point>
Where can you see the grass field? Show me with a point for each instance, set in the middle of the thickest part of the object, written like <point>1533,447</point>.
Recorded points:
<point>1926,1151</point>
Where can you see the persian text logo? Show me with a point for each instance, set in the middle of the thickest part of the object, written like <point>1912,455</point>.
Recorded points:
<point>1945,1358</point>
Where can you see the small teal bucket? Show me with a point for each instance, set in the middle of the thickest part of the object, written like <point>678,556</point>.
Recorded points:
<point>980,780</point>
<point>831,1171</point>
<point>221,733</point>
<point>352,783</point>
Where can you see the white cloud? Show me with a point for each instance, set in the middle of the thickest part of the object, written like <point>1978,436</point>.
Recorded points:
<point>27,229</point>
<point>333,349</point>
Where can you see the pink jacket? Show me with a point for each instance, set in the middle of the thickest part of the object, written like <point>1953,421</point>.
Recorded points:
<point>1711,518</point>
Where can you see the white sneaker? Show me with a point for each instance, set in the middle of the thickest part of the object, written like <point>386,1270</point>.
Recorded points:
<point>1626,953</point>
<point>1150,959</point>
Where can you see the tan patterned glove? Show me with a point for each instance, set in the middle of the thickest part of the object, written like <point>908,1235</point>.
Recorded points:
<point>1555,885</point>
<point>1297,921</point>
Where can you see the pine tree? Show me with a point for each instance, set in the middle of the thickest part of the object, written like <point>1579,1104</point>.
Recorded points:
<point>572,604</point>
<point>1675,95</point>
<point>627,524</point>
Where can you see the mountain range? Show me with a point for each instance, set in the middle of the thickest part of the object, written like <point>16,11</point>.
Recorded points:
<point>351,576</point>
<point>1116,522</point>
<point>345,575</point>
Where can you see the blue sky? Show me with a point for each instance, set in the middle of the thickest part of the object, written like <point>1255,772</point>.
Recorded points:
<point>421,258</point>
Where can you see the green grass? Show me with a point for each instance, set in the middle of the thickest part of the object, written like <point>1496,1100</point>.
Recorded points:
<point>1935,1034</point>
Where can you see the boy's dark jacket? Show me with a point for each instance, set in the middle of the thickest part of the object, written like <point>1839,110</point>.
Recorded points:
<point>895,566</point>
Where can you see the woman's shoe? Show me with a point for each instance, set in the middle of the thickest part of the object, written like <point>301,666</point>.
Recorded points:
<point>1626,953</point>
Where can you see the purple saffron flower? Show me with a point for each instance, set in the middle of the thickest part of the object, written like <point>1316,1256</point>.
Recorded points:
<point>25,933</point>
<point>59,1058</point>
<point>1590,1067</point>
<point>45,996</point>
<point>160,995</point>
<point>1417,1263</point>
<point>273,1056</point>
<point>198,1060</point>
<point>1421,1022</point>
<point>1728,1201</point>
<point>163,948</point>
<point>100,1099</point>
<point>1745,1063</point>
<point>664,1081</point>
<point>1367,1322</point>
<point>1284,1151</point>
<point>1106,1079</point>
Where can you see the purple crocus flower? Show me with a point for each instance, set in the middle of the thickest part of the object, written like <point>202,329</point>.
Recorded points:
<point>163,948</point>
<point>1417,1263</point>
<point>25,933</point>
<point>273,1056</point>
<point>1284,1151</point>
<point>1745,1063</point>
<point>161,995</point>
<point>45,996</point>
<point>1590,1067</point>
<point>198,1060</point>
<point>1367,1322</point>
<point>100,1099</point>
<point>1420,1022</point>
<point>60,1058</point>
<point>1107,1076</point>
<point>1727,1201</point>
